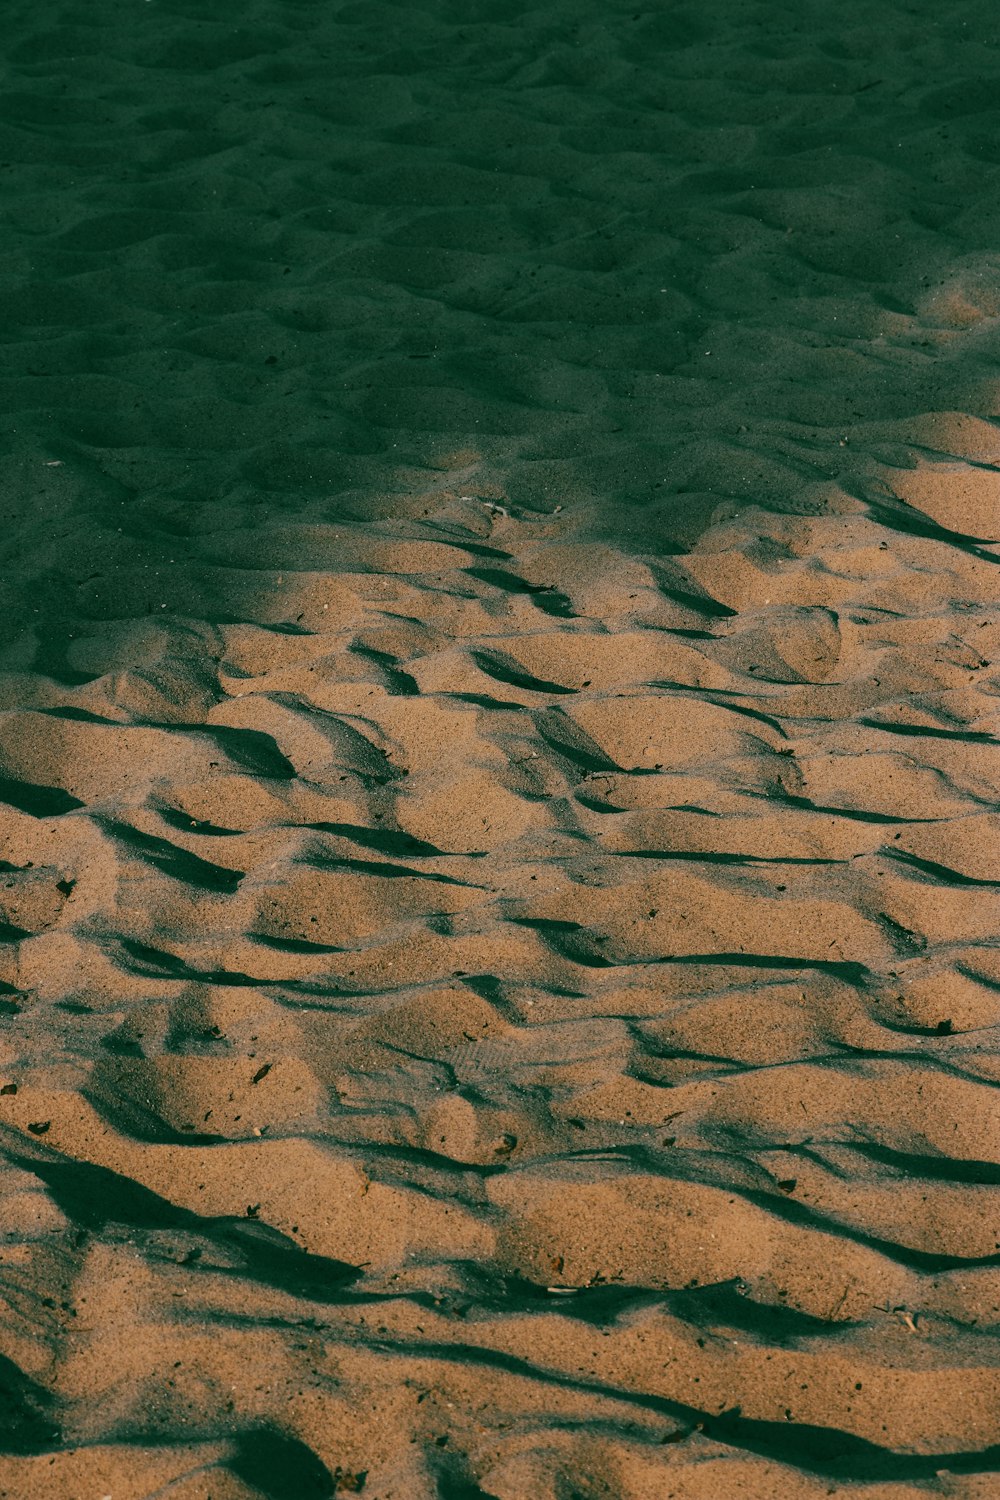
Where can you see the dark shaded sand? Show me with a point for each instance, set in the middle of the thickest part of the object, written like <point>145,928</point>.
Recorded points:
<point>499,756</point>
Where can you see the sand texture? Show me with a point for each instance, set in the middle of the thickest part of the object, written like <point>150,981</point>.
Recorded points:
<point>499,751</point>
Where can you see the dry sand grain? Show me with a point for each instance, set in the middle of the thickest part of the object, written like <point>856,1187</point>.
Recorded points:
<point>499,753</point>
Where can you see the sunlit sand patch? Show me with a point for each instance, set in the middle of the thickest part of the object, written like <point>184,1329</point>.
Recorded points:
<point>958,497</point>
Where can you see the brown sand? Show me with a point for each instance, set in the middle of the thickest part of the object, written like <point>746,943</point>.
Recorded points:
<point>499,756</point>
<point>581,1065</point>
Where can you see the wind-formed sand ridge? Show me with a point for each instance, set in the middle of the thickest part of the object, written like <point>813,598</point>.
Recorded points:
<point>466,1007</point>
<point>498,754</point>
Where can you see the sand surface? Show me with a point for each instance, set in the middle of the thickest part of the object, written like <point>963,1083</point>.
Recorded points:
<point>499,751</point>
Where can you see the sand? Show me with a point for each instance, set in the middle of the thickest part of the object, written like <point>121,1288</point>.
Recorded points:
<point>499,756</point>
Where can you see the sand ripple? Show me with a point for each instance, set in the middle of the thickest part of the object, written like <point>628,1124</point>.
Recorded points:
<point>560,1065</point>
<point>499,759</point>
